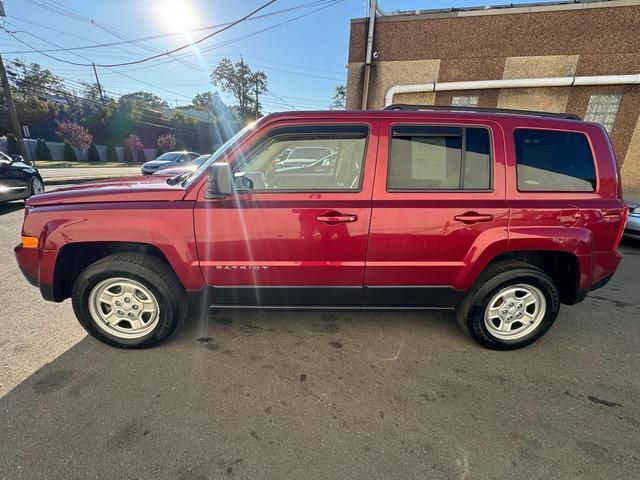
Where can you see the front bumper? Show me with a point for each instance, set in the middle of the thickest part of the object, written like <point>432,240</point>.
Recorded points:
<point>37,267</point>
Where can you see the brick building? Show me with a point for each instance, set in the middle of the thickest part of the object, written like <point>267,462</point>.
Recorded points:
<point>589,51</point>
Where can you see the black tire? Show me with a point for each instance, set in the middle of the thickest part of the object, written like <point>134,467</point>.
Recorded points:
<point>152,273</point>
<point>32,187</point>
<point>470,313</point>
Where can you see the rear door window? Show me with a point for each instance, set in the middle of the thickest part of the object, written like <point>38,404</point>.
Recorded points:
<point>554,161</point>
<point>424,158</point>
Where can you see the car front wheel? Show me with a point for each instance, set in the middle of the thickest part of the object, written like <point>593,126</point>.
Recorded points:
<point>129,300</point>
<point>36,186</point>
<point>512,305</point>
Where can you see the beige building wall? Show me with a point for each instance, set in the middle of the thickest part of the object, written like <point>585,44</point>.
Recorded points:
<point>532,42</point>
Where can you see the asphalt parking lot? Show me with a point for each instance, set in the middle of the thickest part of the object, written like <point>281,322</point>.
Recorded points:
<point>318,395</point>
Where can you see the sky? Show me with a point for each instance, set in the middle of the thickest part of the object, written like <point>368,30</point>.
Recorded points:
<point>302,45</point>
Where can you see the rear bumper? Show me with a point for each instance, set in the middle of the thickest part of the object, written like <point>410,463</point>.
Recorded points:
<point>604,267</point>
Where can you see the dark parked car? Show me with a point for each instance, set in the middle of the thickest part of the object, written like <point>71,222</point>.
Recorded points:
<point>18,179</point>
<point>186,167</point>
<point>169,159</point>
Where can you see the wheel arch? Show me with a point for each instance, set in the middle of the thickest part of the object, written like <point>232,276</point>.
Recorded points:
<point>73,258</point>
<point>565,268</point>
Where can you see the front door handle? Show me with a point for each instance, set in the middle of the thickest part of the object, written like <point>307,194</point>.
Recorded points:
<point>333,218</point>
<point>473,217</point>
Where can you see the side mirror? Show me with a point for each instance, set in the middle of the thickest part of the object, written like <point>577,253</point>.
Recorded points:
<point>17,158</point>
<point>220,181</point>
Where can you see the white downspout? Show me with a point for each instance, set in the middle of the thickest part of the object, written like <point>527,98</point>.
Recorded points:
<point>633,79</point>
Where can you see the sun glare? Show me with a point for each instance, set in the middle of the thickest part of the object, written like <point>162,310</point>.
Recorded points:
<point>176,15</point>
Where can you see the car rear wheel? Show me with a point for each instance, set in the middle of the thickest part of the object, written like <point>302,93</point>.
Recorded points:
<point>129,300</point>
<point>512,305</point>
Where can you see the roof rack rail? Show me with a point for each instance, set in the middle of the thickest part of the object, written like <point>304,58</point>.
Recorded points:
<point>463,108</point>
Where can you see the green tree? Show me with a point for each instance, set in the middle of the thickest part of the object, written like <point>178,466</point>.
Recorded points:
<point>34,85</point>
<point>339,98</point>
<point>243,84</point>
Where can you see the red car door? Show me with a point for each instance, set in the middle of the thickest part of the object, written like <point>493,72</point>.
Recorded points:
<point>439,210</point>
<point>291,235</point>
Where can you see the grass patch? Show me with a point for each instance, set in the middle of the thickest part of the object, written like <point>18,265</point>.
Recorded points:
<point>63,164</point>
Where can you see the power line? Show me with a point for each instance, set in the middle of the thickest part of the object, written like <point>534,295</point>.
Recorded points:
<point>152,37</point>
<point>143,60</point>
<point>236,39</point>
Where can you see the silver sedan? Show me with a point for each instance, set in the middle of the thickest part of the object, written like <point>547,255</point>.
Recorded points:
<point>632,228</point>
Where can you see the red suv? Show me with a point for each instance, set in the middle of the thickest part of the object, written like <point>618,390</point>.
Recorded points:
<point>501,215</point>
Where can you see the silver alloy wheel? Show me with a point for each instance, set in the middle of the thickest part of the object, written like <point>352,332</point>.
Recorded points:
<point>515,311</point>
<point>124,308</point>
<point>37,187</point>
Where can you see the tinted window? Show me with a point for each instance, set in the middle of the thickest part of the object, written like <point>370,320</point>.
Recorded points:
<point>336,156</point>
<point>439,158</point>
<point>554,161</point>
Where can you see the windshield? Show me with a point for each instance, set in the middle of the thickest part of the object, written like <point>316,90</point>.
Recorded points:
<point>169,156</point>
<point>217,154</point>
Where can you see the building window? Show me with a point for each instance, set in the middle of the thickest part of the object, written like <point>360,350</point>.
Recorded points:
<point>603,109</point>
<point>465,100</point>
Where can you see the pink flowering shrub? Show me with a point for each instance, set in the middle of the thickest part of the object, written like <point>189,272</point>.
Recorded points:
<point>74,134</point>
<point>167,142</point>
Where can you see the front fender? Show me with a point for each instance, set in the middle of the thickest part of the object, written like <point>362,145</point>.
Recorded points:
<point>167,226</point>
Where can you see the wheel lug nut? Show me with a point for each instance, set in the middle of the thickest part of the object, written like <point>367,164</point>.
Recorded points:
<point>127,299</point>
<point>118,303</point>
<point>130,314</point>
<point>511,304</point>
<point>135,307</point>
<point>120,312</point>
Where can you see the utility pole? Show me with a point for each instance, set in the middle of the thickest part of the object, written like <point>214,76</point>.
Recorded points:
<point>13,115</point>
<point>95,72</point>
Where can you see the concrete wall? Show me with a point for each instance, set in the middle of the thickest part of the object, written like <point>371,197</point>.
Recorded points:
<point>57,150</point>
<point>597,38</point>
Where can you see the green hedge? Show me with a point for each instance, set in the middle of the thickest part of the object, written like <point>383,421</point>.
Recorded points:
<point>112,153</point>
<point>42,150</point>
<point>92,154</point>
<point>128,155</point>
<point>69,153</point>
<point>12,145</point>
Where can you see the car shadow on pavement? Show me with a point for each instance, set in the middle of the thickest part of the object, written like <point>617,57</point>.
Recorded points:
<point>10,207</point>
<point>237,391</point>
<point>244,394</point>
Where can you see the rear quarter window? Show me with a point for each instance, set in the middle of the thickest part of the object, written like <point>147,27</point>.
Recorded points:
<point>554,161</point>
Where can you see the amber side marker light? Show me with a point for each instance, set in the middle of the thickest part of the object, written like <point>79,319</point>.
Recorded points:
<point>29,242</point>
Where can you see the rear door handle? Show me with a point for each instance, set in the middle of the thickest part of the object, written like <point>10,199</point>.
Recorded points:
<point>333,218</point>
<point>473,217</point>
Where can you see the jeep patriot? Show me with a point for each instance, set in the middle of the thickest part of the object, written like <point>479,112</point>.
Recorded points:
<point>501,215</point>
